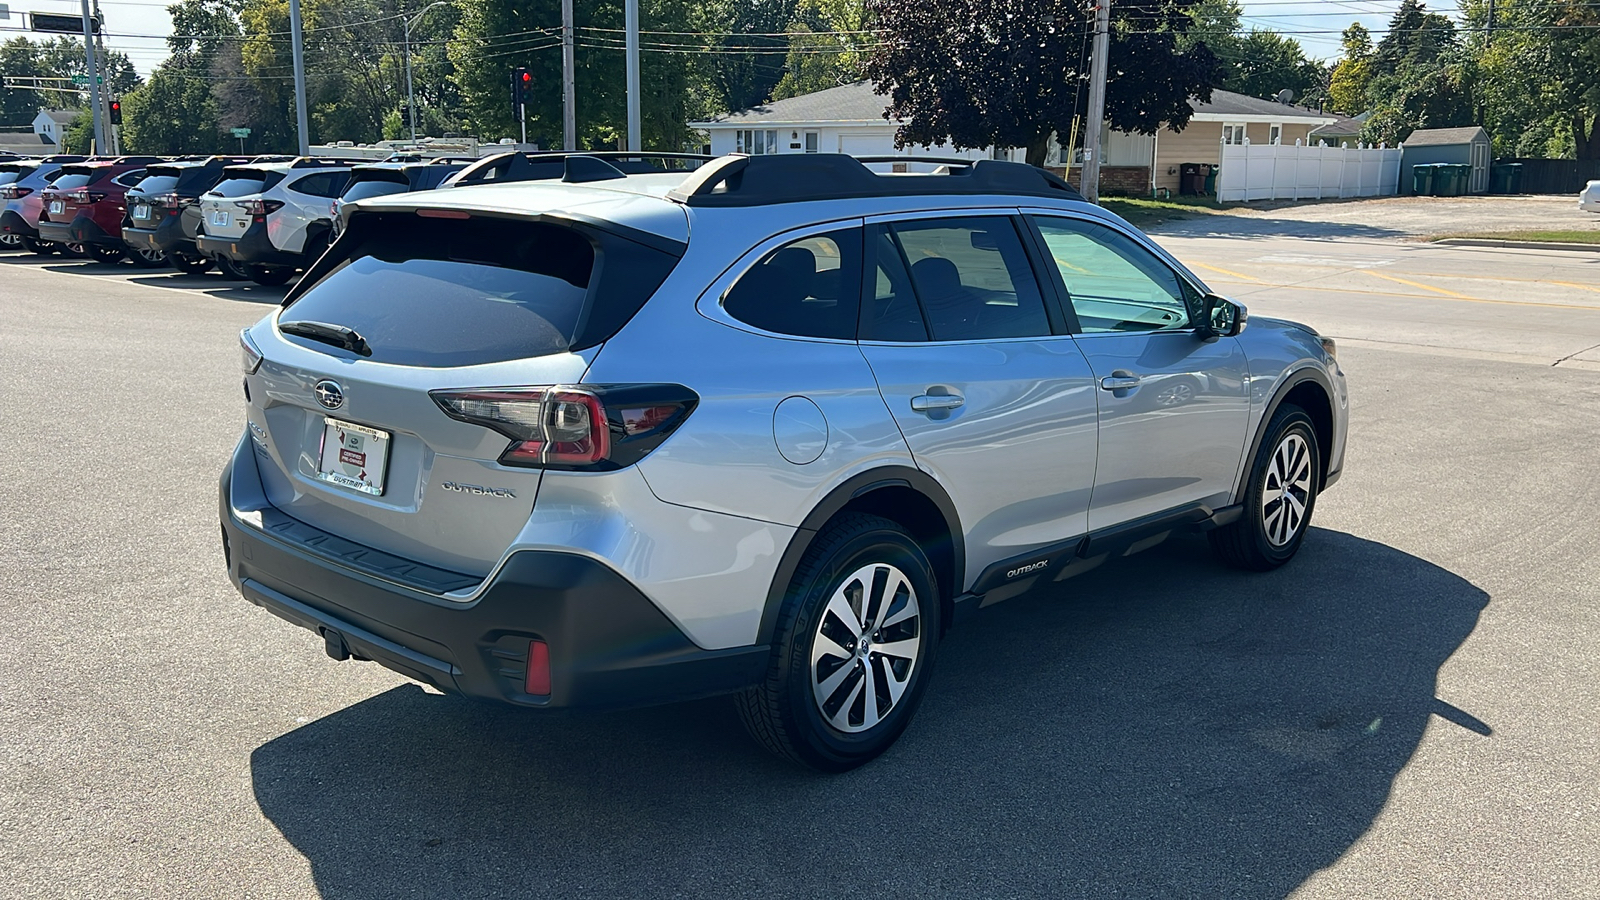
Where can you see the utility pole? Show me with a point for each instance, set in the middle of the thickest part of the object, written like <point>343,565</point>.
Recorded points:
<point>113,132</point>
<point>297,38</point>
<point>631,26</point>
<point>94,81</point>
<point>411,96</point>
<point>569,81</point>
<point>1090,184</point>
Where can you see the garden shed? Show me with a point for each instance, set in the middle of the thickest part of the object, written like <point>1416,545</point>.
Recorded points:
<point>1463,146</point>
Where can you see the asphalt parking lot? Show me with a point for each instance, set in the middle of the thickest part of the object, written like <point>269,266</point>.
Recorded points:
<point>1407,710</point>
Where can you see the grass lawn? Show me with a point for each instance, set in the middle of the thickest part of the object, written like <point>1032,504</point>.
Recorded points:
<point>1554,237</point>
<point>1143,212</point>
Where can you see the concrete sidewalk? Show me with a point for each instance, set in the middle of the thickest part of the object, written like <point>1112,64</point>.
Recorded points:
<point>1389,218</point>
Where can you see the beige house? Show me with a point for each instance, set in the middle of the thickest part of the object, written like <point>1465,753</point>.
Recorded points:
<point>1140,164</point>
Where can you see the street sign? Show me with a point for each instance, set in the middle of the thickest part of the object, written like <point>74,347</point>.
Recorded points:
<point>240,133</point>
<point>60,24</point>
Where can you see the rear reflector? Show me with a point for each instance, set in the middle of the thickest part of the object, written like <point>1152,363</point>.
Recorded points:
<point>538,681</point>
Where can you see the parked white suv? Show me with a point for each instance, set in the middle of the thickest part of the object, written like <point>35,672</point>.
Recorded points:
<point>265,222</point>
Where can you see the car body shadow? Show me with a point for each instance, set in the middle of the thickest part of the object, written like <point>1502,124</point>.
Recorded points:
<point>1160,726</point>
<point>215,285</point>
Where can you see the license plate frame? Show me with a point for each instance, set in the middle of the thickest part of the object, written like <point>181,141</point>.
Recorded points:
<point>354,457</point>
<point>220,218</point>
<point>57,207</point>
<point>141,212</point>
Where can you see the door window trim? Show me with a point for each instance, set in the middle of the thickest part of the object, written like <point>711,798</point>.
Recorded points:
<point>710,302</point>
<point>1060,326</point>
<point>1183,275</point>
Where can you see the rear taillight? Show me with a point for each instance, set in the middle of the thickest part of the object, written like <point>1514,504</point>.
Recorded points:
<point>595,427</point>
<point>14,192</point>
<point>171,201</point>
<point>259,208</point>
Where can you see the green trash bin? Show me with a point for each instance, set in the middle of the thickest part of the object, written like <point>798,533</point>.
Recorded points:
<point>1422,179</point>
<point>1500,179</point>
<point>1463,179</point>
<point>1211,180</point>
<point>1447,181</point>
<point>1514,183</point>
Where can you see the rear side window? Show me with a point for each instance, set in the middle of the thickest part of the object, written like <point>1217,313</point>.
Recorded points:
<point>806,288</point>
<point>362,190</point>
<point>323,184</point>
<point>973,278</point>
<point>129,179</point>
<point>439,293</point>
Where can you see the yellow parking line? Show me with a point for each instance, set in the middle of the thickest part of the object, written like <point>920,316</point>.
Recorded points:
<point>1570,284</point>
<point>1226,272</point>
<point>1418,284</point>
<point>1574,284</point>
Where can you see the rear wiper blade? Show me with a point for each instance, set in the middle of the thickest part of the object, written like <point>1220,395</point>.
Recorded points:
<point>337,335</point>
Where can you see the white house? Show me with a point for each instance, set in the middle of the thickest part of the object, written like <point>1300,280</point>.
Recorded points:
<point>52,124</point>
<point>847,119</point>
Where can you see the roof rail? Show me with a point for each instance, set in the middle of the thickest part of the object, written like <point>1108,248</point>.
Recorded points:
<point>794,177</point>
<point>545,166</point>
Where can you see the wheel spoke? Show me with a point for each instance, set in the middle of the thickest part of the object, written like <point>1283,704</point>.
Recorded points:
<point>827,646</point>
<point>906,649</point>
<point>896,686</point>
<point>870,713</point>
<point>841,719</point>
<point>839,608</point>
<point>830,685</point>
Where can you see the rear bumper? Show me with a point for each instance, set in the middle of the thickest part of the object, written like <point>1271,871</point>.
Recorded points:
<point>59,232</point>
<point>12,222</point>
<point>609,646</point>
<point>85,230</point>
<point>254,247</point>
<point>165,237</point>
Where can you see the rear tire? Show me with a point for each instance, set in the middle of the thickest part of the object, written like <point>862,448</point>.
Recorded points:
<point>188,265</point>
<point>9,241</point>
<point>108,255</point>
<point>38,247</point>
<point>1282,493</point>
<point>147,259</point>
<point>74,251</point>
<point>853,649</point>
<point>231,269</point>
<point>267,276</point>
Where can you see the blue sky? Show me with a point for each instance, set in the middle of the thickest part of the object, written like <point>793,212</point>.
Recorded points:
<point>1315,23</point>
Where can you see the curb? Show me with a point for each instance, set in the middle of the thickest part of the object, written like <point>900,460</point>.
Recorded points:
<point>1518,245</point>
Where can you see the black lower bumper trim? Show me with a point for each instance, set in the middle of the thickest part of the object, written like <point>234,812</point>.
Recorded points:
<point>254,247</point>
<point>609,645</point>
<point>12,222</point>
<point>85,230</point>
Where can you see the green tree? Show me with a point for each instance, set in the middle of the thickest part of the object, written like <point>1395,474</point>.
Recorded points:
<point>827,46</point>
<point>1012,72</point>
<point>1270,63</point>
<point>1421,77</point>
<point>1215,23</point>
<point>79,136</point>
<point>174,113</point>
<point>1352,76</point>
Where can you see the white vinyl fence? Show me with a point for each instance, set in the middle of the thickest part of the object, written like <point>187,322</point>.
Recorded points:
<point>1282,172</point>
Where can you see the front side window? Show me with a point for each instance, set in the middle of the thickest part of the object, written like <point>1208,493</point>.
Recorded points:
<point>1113,283</point>
<point>972,278</point>
<point>806,288</point>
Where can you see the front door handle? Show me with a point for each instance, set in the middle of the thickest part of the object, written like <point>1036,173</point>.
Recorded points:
<point>932,402</point>
<point>1120,380</point>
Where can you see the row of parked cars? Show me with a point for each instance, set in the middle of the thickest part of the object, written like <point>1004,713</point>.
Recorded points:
<point>260,218</point>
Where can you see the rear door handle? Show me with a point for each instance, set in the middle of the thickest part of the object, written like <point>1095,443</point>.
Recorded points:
<point>931,402</point>
<point>1120,380</point>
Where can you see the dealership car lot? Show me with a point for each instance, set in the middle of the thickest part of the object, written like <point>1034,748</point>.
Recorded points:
<point>1405,710</point>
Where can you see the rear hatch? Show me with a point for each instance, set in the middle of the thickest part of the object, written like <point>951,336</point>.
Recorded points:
<point>223,217</point>
<point>352,439</point>
<point>71,192</point>
<point>146,200</point>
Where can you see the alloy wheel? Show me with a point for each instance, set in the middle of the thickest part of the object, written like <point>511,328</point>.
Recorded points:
<point>10,241</point>
<point>865,647</point>
<point>1287,490</point>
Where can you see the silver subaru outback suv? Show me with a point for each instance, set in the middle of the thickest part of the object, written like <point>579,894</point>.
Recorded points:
<point>766,428</point>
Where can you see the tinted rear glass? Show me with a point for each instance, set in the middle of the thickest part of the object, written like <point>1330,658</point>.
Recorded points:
<point>361,190</point>
<point>158,184</point>
<point>8,177</point>
<point>71,182</point>
<point>247,185</point>
<point>443,292</point>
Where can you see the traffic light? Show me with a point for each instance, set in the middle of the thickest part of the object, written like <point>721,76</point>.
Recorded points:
<point>116,112</point>
<point>523,83</point>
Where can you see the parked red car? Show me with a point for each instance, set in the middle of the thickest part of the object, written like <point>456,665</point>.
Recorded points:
<point>85,206</point>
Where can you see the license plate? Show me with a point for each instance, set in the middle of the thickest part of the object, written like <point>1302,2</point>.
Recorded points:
<point>57,207</point>
<point>141,212</point>
<point>220,217</point>
<point>353,456</point>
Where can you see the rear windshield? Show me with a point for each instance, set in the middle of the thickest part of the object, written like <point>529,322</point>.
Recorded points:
<point>439,293</point>
<point>247,185</point>
<point>71,182</point>
<point>362,190</point>
<point>158,184</point>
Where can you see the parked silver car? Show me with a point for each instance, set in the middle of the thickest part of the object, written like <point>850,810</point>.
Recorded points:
<point>768,428</point>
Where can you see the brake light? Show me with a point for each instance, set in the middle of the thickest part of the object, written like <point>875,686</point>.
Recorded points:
<point>595,427</point>
<point>14,192</point>
<point>259,208</point>
<point>171,201</point>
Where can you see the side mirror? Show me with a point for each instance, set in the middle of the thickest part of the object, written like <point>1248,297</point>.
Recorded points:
<point>1223,318</point>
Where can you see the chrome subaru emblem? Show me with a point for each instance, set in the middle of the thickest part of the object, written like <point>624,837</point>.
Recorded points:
<point>329,394</point>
